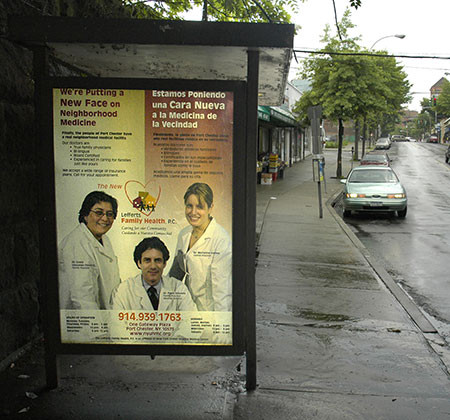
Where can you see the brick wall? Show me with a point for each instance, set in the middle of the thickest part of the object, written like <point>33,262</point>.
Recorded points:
<point>19,244</point>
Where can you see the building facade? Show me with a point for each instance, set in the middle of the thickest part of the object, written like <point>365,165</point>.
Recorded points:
<point>280,134</point>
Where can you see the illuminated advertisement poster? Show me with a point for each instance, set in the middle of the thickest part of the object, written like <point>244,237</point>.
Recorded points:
<point>144,215</point>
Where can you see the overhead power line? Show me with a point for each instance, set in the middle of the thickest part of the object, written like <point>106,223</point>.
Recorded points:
<point>369,54</point>
<point>427,68</point>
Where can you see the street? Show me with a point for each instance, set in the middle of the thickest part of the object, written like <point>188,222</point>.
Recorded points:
<point>332,341</point>
<point>415,250</point>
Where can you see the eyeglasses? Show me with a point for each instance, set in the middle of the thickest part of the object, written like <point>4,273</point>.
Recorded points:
<point>100,213</point>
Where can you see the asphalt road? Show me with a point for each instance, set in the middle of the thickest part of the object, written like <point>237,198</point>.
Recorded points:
<point>416,250</point>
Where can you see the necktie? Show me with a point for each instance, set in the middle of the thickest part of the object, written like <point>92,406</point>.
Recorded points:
<point>153,297</point>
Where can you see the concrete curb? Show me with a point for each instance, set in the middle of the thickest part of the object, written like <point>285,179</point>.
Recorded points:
<point>410,307</point>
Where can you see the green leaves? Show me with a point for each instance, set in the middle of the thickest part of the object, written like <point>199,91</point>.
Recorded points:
<point>215,10</point>
<point>157,9</point>
<point>443,100</point>
<point>220,10</point>
<point>355,3</point>
<point>352,86</point>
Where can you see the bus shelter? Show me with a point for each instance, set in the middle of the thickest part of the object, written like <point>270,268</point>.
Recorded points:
<point>148,115</point>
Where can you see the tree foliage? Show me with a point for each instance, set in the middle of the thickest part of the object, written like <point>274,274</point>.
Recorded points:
<point>355,3</point>
<point>334,79</point>
<point>157,9</point>
<point>215,10</point>
<point>424,121</point>
<point>220,10</point>
<point>352,87</point>
<point>248,10</point>
<point>443,100</point>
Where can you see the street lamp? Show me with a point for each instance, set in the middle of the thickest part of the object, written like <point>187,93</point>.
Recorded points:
<point>401,36</point>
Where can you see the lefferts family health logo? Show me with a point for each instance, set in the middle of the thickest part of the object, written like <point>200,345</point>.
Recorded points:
<point>141,197</point>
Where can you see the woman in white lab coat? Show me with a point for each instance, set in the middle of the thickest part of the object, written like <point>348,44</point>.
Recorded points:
<point>203,253</point>
<point>88,269</point>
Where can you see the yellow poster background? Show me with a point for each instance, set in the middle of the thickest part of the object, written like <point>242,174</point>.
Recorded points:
<point>133,144</point>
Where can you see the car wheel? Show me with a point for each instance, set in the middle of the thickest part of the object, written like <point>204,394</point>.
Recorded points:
<point>402,213</point>
<point>347,213</point>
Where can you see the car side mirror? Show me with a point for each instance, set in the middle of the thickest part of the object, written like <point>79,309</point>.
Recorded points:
<point>343,181</point>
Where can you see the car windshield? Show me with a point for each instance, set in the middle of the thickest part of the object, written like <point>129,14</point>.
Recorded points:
<point>375,158</point>
<point>372,176</point>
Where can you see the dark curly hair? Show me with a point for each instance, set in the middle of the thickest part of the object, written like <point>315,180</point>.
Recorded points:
<point>91,200</point>
<point>150,243</point>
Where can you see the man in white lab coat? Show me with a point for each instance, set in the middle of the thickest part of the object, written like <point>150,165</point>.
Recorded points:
<point>150,289</point>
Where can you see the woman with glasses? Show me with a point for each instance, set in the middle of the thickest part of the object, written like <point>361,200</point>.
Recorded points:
<point>88,269</point>
<point>203,253</point>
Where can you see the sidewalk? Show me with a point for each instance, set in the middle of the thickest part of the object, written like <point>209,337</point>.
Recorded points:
<point>333,342</point>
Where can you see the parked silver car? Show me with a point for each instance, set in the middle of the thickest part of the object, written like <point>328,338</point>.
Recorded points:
<point>374,188</point>
<point>399,137</point>
<point>383,143</point>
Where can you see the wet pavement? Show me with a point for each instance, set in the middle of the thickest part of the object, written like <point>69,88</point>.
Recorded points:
<point>415,250</point>
<point>333,342</point>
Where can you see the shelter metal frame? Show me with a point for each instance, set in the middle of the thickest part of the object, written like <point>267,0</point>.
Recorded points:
<point>267,49</point>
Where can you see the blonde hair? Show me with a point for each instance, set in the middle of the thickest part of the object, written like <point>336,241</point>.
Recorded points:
<point>202,191</point>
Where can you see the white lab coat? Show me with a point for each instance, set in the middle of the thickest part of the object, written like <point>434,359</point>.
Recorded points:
<point>206,267</point>
<point>173,296</point>
<point>88,270</point>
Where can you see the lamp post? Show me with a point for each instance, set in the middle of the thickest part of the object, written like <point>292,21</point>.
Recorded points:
<point>401,36</point>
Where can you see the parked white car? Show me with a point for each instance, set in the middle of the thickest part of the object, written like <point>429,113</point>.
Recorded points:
<point>383,143</point>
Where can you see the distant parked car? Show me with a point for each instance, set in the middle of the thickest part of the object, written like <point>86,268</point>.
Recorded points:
<point>374,188</point>
<point>398,137</point>
<point>447,155</point>
<point>383,143</point>
<point>432,139</point>
<point>375,159</point>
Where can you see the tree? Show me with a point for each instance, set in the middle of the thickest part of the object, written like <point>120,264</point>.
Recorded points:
<point>351,86</point>
<point>336,80</point>
<point>422,125</point>
<point>424,121</point>
<point>247,10</point>
<point>144,9</point>
<point>219,10</point>
<point>443,100</point>
<point>216,10</point>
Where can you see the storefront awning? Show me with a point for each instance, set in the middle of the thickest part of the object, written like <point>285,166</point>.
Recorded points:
<point>277,115</point>
<point>263,113</point>
<point>283,115</point>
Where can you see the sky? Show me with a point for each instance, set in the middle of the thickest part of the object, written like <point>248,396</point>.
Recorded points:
<point>423,22</point>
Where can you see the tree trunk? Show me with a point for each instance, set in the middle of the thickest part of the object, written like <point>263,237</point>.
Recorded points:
<point>339,155</point>
<point>364,136</point>
<point>357,135</point>
<point>205,11</point>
